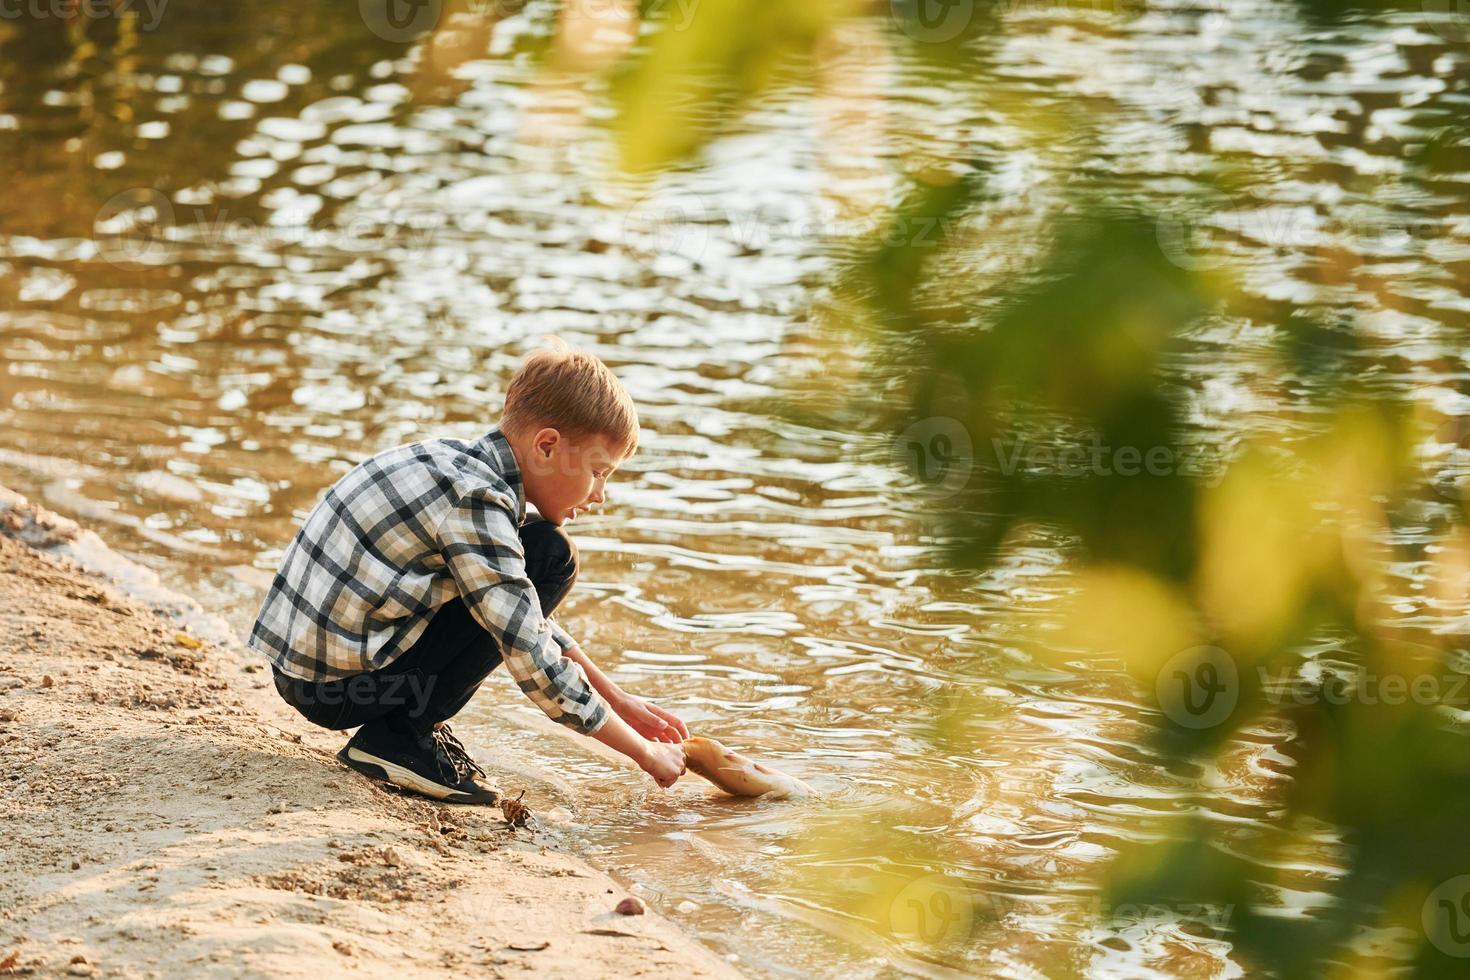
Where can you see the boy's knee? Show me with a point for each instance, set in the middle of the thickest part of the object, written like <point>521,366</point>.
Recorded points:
<point>548,546</point>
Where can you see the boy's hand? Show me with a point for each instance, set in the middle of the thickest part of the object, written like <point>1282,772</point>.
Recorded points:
<point>651,721</point>
<point>665,763</point>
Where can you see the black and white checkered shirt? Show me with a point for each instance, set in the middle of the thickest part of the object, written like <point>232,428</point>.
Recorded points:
<point>397,537</point>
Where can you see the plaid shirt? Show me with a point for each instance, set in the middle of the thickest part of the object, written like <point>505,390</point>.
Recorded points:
<point>397,537</point>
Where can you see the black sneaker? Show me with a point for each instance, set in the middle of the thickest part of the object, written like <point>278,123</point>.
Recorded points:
<point>436,765</point>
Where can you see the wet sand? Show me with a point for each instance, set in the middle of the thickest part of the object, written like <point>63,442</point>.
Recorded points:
<point>164,815</point>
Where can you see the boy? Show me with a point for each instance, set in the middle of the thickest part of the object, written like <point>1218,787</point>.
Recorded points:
<point>417,574</point>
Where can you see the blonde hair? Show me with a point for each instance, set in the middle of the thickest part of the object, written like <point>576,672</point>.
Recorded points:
<point>573,392</point>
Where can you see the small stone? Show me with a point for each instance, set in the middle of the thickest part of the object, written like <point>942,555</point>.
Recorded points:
<point>392,858</point>
<point>632,905</point>
<point>76,864</point>
<point>47,681</point>
<point>334,843</point>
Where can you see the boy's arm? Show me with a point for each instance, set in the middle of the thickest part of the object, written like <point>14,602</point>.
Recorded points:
<point>602,683</point>
<point>645,717</point>
<point>482,550</point>
<point>634,727</point>
<point>665,763</point>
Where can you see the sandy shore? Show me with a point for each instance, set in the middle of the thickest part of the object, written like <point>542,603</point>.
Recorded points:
<point>165,815</point>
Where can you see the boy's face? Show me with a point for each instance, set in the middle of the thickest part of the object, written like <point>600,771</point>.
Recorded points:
<point>564,477</point>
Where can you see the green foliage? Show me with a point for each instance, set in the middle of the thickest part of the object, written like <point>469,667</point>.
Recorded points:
<point>1283,553</point>
<point>1274,555</point>
<point>691,78</point>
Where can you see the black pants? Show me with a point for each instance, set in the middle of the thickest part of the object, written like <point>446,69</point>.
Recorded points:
<point>434,679</point>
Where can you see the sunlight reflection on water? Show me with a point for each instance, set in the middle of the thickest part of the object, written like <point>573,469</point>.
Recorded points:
<point>323,264</point>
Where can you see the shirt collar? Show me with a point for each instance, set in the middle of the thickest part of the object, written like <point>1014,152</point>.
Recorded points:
<point>495,450</point>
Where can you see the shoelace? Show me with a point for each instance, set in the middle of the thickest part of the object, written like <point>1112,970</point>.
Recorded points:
<point>452,751</point>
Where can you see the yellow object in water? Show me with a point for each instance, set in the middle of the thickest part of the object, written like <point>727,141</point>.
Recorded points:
<point>737,775</point>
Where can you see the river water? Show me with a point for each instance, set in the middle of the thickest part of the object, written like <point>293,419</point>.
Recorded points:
<point>242,250</point>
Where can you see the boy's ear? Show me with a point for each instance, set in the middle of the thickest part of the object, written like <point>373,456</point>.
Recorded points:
<point>546,440</point>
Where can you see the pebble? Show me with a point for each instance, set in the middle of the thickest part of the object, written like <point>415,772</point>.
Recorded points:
<point>48,681</point>
<point>632,905</point>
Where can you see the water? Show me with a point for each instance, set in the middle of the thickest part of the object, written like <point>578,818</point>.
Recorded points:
<point>242,251</point>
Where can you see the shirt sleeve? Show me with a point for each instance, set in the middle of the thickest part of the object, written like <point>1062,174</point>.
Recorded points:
<point>562,637</point>
<point>482,550</point>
